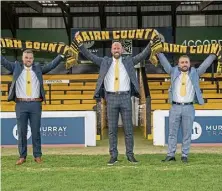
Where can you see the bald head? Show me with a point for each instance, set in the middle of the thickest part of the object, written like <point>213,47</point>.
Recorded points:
<point>116,50</point>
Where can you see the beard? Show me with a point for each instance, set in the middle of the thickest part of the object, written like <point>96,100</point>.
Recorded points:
<point>116,55</point>
<point>28,65</point>
<point>184,68</point>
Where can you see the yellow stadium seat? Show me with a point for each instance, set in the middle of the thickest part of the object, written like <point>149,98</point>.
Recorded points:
<point>157,76</point>
<point>8,78</point>
<point>209,91</point>
<point>153,83</point>
<point>56,92</point>
<point>89,101</point>
<point>71,101</point>
<point>67,84</point>
<point>89,92</point>
<point>90,83</point>
<point>156,91</point>
<point>60,88</point>
<point>158,101</point>
<point>165,87</point>
<point>214,101</point>
<point>165,96</point>
<point>72,92</point>
<point>54,102</point>
<point>70,97</point>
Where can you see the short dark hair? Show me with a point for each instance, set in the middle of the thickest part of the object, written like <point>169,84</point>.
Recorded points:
<point>184,56</point>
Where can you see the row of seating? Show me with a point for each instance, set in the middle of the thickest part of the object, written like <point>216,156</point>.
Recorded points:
<point>90,106</point>
<point>88,98</point>
<point>205,88</point>
<point>162,77</point>
<point>76,77</point>
<point>89,77</point>
<point>82,92</point>
<point>85,97</point>
<point>77,95</point>
<point>86,90</point>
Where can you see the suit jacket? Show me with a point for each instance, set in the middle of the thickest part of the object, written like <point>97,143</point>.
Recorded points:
<point>194,74</point>
<point>105,62</point>
<point>17,67</point>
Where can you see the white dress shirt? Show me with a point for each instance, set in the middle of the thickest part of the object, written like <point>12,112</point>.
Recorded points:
<point>124,80</point>
<point>20,87</point>
<point>189,97</point>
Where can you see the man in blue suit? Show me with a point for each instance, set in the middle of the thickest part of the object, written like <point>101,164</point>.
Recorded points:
<point>117,82</point>
<point>27,91</point>
<point>183,93</point>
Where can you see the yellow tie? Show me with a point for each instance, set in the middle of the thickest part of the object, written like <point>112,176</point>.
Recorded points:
<point>28,83</point>
<point>183,84</point>
<point>116,80</point>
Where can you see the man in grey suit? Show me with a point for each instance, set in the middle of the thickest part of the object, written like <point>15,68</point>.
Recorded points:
<point>27,91</point>
<point>117,82</point>
<point>183,93</point>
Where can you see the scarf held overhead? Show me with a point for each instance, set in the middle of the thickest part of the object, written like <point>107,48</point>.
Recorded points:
<point>72,51</point>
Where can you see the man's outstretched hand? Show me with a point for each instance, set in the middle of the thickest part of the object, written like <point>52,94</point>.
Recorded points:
<point>156,45</point>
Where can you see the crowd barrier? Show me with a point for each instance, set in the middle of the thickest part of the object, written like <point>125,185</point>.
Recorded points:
<point>57,128</point>
<point>207,127</point>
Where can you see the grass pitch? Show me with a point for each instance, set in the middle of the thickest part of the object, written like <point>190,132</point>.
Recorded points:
<point>91,173</point>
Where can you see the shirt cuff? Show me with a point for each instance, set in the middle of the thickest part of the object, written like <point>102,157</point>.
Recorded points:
<point>62,56</point>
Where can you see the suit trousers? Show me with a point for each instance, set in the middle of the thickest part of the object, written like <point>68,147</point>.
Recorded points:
<point>29,111</point>
<point>180,116</point>
<point>120,103</point>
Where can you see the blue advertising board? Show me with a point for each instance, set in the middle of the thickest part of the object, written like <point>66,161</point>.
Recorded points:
<point>206,129</point>
<point>59,130</point>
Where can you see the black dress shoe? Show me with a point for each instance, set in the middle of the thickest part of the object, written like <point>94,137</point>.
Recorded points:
<point>169,158</point>
<point>112,161</point>
<point>184,159</point>
<point>132,159</point>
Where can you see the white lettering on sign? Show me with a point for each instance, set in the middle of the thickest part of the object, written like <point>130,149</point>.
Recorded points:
<point>54,128</point>
<point>53,131</point>
<point>196,131</point>
<point>200,42</point>
<point>214,130</point>
<point>214,127</point>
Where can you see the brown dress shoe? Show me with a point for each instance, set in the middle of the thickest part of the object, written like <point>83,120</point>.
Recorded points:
<point>20,161</point>
<point>38,160</point>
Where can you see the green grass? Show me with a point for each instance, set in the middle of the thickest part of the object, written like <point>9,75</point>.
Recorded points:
<point>84,172</point>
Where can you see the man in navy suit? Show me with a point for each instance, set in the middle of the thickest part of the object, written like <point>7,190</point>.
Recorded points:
<point>27,91</point>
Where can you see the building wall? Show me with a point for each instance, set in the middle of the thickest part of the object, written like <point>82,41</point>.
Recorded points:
<point>120,21</point>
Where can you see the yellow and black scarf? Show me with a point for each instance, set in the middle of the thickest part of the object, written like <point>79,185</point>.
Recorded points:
<point>141,34</point>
